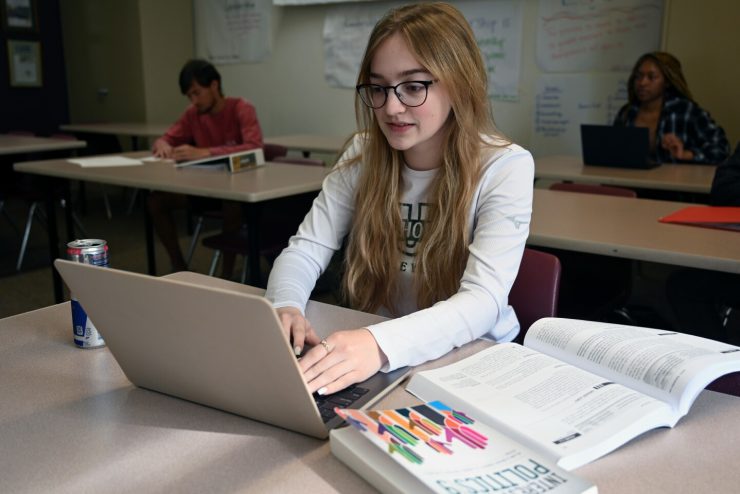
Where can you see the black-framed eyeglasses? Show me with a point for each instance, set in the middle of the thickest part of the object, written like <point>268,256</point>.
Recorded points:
<point>410,93</point>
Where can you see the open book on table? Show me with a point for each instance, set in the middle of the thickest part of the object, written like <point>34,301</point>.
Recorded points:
<point>578,390</point>
<point>433,448</point>
<point>236,162</point>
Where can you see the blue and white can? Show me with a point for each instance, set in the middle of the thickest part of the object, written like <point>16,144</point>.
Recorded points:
<point>88,251</point>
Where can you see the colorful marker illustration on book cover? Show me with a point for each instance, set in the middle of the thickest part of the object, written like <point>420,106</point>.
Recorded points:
<point>434,424</point>
<point>452,453</point>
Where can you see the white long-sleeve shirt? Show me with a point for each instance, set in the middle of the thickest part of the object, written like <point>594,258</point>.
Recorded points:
<point>499,224</point>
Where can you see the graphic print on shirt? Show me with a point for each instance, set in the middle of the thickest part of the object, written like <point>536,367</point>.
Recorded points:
<point>413,216</point>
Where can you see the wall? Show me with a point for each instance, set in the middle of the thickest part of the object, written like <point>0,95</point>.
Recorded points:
<point>40,110</point>
<point>707,41</point>
<point>167,43</point>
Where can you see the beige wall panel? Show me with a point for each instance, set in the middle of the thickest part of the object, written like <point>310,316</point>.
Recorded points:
<point>706,39</point>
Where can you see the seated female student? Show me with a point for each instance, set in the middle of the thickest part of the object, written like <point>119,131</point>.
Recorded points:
<point>659,99</point>
<point>435,203</point>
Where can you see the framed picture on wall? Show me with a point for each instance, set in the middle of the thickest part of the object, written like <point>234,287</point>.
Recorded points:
<point>19,15</point>
<point>24,58</point>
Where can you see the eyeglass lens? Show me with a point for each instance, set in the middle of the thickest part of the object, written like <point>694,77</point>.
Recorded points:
<point>410,93</point>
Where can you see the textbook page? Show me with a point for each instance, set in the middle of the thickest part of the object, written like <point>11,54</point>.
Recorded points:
<point>672,367</point>
<point>434,448</point>
<point>570,414</point>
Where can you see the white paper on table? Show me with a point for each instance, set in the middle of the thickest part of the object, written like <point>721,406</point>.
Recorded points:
<point>105,161</point>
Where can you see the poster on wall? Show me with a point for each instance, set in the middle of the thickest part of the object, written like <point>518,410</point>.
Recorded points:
<point>598,35</point>
<point>497,27</point>
<point>564,102</point>
<point>232,31</point>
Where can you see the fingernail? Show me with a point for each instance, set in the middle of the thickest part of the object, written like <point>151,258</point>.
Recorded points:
<point>322,391</point>
<point>297,350</point>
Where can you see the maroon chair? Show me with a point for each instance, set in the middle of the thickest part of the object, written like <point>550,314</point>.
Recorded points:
<point>271,153</point>
<point>606,190</point>
<point>279,225</point>
<point>535,292</point>
<point>728,384</point>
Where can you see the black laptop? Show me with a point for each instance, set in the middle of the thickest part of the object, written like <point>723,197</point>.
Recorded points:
<point>621,147</point>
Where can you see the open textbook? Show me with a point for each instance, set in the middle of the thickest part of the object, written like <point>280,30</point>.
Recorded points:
<point>578,390</point>
<point>434,448</point>
<point>236,162</point>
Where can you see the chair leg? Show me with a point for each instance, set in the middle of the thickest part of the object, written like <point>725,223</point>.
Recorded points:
<point>132,201</point>
<point>26,234</point>
<point>194,240</point>
<point>106,202</point>
<point>245,270</point>
<point>214,262</point>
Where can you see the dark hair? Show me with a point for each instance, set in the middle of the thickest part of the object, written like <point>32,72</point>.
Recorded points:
<point>672,72</point>
<point>200,71</point>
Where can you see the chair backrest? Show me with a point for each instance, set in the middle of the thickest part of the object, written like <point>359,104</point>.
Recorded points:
<point>534,294</point>
<point>594,189</point>
<point>299,161</point>
<point>728,384</point>
<point>272,151</point>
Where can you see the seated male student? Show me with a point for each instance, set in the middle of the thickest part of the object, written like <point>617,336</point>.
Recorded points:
<point>212,125</point>
<point>705,302</point>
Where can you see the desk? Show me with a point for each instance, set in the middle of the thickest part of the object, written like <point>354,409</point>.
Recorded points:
<point>679,178</point>
<point>71,422</point>
<point>133,130</point>
<point>309,143</point>
<point>14,144</point>
<point>253,187</point>
<point>628,228</point>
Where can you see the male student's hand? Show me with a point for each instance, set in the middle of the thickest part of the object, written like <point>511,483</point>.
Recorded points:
<point>162,149</point>
<point>674,145</point>
<point>343,358</point>
<point>297,328</point>
<point>186,152</point>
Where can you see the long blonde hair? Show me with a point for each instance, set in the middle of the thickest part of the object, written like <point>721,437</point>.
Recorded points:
<point>443,42</point>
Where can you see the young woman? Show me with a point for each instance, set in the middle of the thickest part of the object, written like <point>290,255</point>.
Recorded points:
<point>434,202</point>
<point>659,99</point>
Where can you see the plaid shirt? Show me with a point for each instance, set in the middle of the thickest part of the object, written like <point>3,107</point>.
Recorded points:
<point>693,125</point>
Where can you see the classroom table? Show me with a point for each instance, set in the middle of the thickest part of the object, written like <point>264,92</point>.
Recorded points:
<point>683,177</point>
<point>72,422</point>
<point>17,144</point>
<point>307,143</point>
<point>255,188</point>
<point>134,130</point>
<point>629,228</point>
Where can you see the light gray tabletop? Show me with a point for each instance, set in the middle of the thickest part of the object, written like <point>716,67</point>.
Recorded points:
<point>629,228</point>
<point>309,143</point>
<point>134,129</point>
<point>71,422</point>
<point>16,144</point>
<point>679,178</point>
<point>272,181</point>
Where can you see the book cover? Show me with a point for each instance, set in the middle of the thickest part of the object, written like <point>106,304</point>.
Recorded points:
<point>707,216</point>
<point>236,162</point>
<point>439,449</point>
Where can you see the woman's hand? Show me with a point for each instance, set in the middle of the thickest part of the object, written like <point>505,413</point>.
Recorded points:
<point>343,358</point>
<point>297,328</point>
<point>674,145</point>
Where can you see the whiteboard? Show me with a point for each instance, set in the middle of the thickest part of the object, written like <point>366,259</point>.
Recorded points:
<point>596,35</point>
<point>497,27</point>
<point>564,102</point>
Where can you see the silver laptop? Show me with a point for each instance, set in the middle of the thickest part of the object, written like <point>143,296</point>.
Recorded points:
<point>212,345</point>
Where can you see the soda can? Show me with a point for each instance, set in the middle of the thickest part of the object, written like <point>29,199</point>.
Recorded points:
<point>88,251</point>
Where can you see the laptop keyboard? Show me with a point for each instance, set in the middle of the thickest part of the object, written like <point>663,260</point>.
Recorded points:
<point>343,399</point>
